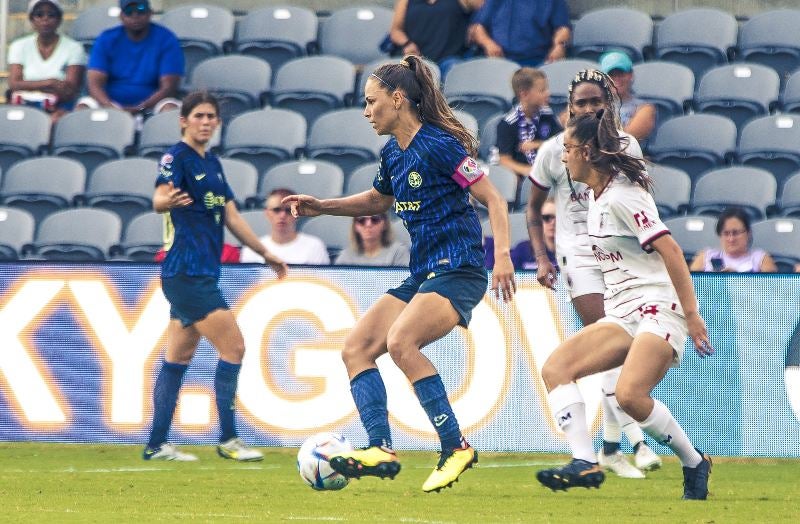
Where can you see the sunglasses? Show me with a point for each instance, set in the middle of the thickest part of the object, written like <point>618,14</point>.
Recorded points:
<point>374,219</point>
<point>45,14</point>
<point>279,209</point>
<point>548,218</point>
<point>131,9</point>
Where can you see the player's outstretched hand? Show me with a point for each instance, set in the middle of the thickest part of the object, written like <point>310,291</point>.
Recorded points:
<point>303,205</point>
<point>546,273</point>
<point>277,265</point>
<point>177,197</point>
<point>699,334</point>
<point>503,283</point>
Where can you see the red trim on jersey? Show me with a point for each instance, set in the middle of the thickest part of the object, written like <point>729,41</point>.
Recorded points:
<point>608,183</point>
<point>650,240</point>
<point>667,337</point>
<point>537,184</point>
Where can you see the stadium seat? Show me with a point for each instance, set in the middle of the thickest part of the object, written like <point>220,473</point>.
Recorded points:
<point>517,226</point>
<point>790,197</point>
<point>243,178</point>
<point>277,34</point>
<point>203,30</point>
<point>669,86</point>
<point>372,66</point>
<point>43,185</point>
<point>257,221</point>
<point>401,234</point>
<point>468,121</point>
<point>93,136</point>
<point>355,33</point>
<point>317,178</point>
<point>266,137</point>
<point>559,76</point>
<point>313,85</point>
<point>142,238</point>
<point>162,131</point>
<point>92,21</point>
<point>82,234</point>
<point>506,182</point>
<point>345,138</point>
<point>693,233</point>
<point>123,186</point>
<point>594,33</point>
<point>361,179</point>
<point>694,143</point>
<point>24,132</point>
<point>16,230</point>
<point>672,190</point>
<point>333,230</point>
<point>489,135</point>
<point>790,98</point>
<point>772,143</point>
<point>780,237</point>
<point>481,87</point>
<point>239,82</point>
<point>751,188</point>
<point>697,38</point>
<point>738,91</point>
<point>770,38</point>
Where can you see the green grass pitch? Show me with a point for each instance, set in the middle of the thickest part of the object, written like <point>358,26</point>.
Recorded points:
<point>107,483</point>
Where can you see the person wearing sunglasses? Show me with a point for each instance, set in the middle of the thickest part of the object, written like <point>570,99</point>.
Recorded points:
<point>522,253</point>
<point>736,253</point>
<point>292,246</point>
<point>45,69</point>
<point>372,244</point>
<point>136,66</point>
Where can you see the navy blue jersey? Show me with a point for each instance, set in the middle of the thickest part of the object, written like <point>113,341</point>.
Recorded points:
<point>429,182</point>
<point>193,234</point>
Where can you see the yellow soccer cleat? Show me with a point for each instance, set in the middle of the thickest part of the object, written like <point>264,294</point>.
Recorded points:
<point>452,463</point>
<point>375,461</point>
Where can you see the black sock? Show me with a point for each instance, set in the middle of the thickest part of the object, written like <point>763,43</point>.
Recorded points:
<point>609,448</point>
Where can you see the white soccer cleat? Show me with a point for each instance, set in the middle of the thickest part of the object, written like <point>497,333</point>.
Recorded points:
<point>617,463</point>
<point>646,459</point>
<point>167,451</point>
<point>235,449</point>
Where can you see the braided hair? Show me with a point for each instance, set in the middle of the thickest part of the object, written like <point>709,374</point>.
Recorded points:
<point>602,80</point>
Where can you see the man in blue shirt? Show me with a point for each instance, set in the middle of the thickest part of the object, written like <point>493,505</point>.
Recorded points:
<point>136,66</point>
<point>529,32</point>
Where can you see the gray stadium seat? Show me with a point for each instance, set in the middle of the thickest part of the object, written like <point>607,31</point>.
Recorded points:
<point>243,178</point>
<point>772,143</point>
<point>93,136</point>
<point>693,233</point>
<point>266,137</point>
<point>694,143</point>
<point>697,38</point>
<point>481,87</point>
<point>594,33</point>
<point>24,132</point>
<point>83,234</point>
<point>517,226</point>
<point>239,82</point>
<point>489,135</point>
<point>672,189</point>
<point>92,21</point>
<point>790,99</point>
<point>559,76</point>
<point>123,186</point>
<point>355,33</point>
<point>361,179</point>
<point>669,86</point>
<point>345,138</point>
<point>333,230</point>
<point>401,234</point>
<point>43,185</point>
<point>372,66</point>
<point>203,30</point>
<point>468,121</point>
<point>771,38</point>
<point>313,85</point>
<point>790,197</point>
<point>277,34</point>
<point>312,177</point>
<point>780,237</point>
<point>257,221</point>
<point>142,238</point>
<point>506,182</point>
<point>740,91</point>
<point>163,131</point>
<point>16,230</point>
<point>751,188</point>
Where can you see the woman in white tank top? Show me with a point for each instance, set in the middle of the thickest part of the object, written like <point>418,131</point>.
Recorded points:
<point>735,253</point>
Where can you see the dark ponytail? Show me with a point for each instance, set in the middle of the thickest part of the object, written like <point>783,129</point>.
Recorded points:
<point>415,80</point>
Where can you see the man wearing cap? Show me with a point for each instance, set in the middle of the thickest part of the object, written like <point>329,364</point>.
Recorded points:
<point>136,66</point>
<point>636,116</point>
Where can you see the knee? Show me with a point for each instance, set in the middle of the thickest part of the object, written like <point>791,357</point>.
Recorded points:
<point>357,349</point>
<point>556,372</point>
<point>399,349</point>
<point>630,400</point>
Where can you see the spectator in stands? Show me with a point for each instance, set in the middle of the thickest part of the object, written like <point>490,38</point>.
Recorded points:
<point>372,244</point>
<point>529,32</point>
<point>735,253</point>
<point>636,116</point>
<point>46,68</point>
<point>527,126</point>
<point>522,253</point>
<point>284,240</point>
<point>136,66</point>
<point>434,29</point>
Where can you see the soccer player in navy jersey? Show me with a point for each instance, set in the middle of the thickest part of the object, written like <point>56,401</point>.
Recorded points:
<point>427,173</point>
<point>197,202</point>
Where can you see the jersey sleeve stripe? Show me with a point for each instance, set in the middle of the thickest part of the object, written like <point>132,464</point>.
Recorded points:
<point>646,245</point>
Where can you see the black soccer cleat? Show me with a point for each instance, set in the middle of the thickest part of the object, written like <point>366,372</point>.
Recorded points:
<point>577,474</point>
<point>695,480</point>
<point>375,461</point>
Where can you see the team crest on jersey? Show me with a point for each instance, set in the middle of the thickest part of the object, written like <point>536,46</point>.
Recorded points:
<point>166,160</point>
<point>414,179</point>
<point>469,169</point>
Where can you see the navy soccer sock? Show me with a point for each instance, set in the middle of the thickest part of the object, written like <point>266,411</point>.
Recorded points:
<point>165,397</point>
<point>433,397</point>
<point>369,394</point>
<point>225,380</point>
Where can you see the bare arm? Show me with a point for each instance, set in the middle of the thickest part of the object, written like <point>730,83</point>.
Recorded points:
<point>643,122</point>
<point>545,272</point>
<point>167,86</point>
<point>370,202</point>
<point>768,265</point>
<point>698,262</point>
<point>397,31</point>
<point>167,196</point>
<point>96,83</point>
<point>518,168</point>
<point>503,272</point>
<point>241,230</point>
<point>558,50</point>
<point>481,37</point>
<point>672,255</point>
<point>471,5</point>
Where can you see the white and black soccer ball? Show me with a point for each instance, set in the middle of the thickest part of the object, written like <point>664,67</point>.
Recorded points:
<point>312,461</point>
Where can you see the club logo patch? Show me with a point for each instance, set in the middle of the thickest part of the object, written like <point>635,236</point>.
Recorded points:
<point>414,179</point>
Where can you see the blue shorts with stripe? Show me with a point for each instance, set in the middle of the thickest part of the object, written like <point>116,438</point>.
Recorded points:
<point>191,299</point>
<point>464,287</point>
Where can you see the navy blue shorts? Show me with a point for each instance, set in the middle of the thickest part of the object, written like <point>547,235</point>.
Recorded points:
<point>191,299</point>
<point>464,287</point>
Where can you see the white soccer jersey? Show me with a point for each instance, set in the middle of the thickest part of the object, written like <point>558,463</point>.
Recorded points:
<point>622,222</point>
<point>548,173</point>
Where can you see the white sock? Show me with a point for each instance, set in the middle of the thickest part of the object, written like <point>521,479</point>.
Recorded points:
<point>622,423</point>
<point>663,427</point>
<point>612,431</point>
<point>569,409</point>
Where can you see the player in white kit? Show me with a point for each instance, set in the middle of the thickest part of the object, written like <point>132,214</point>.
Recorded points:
<point>589,92</point>
<point>649,302</point>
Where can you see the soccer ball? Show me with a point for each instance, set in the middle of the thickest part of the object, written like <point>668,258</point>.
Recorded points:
<point>312,461</point>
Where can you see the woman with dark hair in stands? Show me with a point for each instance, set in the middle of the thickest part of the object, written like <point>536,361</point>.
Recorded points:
<point>650,308</point>
<point>372,244</point>
<point>427,172</point>
<point>735,253</point>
